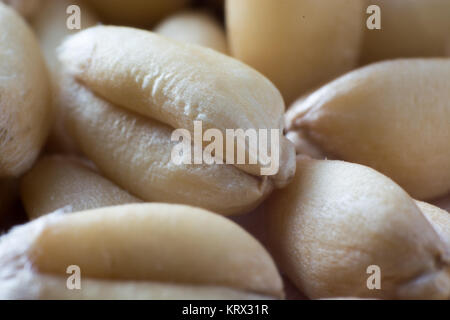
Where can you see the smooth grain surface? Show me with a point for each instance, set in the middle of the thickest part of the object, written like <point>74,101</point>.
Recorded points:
<point>336,219</point>
<point>392,116</point>
<point>50,27</point>
<point>66,183</point>
<point>297,44</point>
<point>136,12</point>
<point>409,28</point>
<point>197,27</point>
<point>168,244</point>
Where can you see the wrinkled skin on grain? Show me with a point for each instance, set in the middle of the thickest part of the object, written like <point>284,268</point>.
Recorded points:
<point>303,44</point>
<point>219,260</point>
<point>392,116</point>
<point>336,219</point>
<point>122,109</point>
<point>195,27</point>
<point>25,112</point>
<point>115,138</point>
<point>66,183</point>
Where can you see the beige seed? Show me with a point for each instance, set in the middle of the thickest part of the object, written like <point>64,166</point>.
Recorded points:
<point>50,27</point>
<point>297,44</point>
<point>438,218</point>
<point>195,27</point>
<point>167,85</point>
<point>152,251</point>
<point>66,183</point>
<point>136,12</point>
<point>336,219</point>
<point>392,116</point>
<point>25,95</point>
